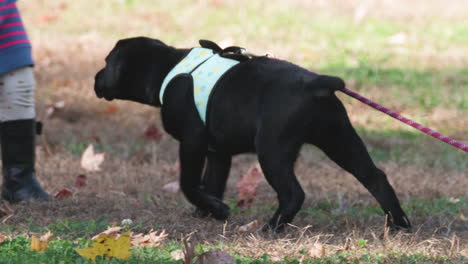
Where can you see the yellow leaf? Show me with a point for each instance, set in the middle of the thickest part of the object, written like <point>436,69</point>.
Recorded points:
<point>42,243</point>
<point>463,217</point>
<point>107,246</point>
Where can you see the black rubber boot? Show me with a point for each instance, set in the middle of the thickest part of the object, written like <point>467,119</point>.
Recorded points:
<point>18,158</point>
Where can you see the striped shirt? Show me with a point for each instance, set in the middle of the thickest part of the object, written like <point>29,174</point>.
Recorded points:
<point>15,48</point>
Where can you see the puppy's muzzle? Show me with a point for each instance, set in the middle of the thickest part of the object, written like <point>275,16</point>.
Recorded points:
<point>99,86</point>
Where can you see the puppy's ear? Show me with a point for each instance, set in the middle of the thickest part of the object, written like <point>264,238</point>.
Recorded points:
<point>324,85</point>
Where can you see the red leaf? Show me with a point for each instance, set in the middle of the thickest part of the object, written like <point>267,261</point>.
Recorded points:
<point>110,109</point>
<point>80,181</point>
<point>153,133</point>
<point>63,194</point>
<point>45,19</point>
<point>247,186</point>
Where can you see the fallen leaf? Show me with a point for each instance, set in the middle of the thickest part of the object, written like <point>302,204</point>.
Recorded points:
<point>171,187</point>
<point>42,243</point>
<point>63,194</point>
<point>177,254</point>
<point>112,231</point>
<point>247,186</point>
<point>2,238</point>
<point>52,109</point>
<point>110,109</point>
<point>45,19</point>
<point>91,161</point>
<point>153,133</point>
<point>316,251</point>
<point>80,181</point>
<point>463,218</point>
<point>250,227</point>
<point>215,257</point>
<point>107,246</point>
<point>152,239</point>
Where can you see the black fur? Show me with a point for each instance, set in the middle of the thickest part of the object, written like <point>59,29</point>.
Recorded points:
<point>262,105</point>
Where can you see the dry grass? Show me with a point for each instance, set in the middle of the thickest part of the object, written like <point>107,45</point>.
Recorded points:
<point>130,183</point>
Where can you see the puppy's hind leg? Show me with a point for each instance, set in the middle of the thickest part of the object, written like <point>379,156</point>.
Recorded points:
<point>340,142</point>
<point>215,177</point>
<point>277,162</point>
<point>192,154</point>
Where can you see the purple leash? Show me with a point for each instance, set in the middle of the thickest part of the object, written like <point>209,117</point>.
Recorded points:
<point>407,121</point>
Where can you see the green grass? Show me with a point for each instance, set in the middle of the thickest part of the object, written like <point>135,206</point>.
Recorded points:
<point>412,147</point>
<point>70,235</point>
<point>60,251</point>
<point>408,88</point>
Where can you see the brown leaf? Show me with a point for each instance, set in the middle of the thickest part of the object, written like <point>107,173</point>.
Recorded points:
<point>247,186</point>
<point>63,194</point>
<point>45,19</point>
<point>112,231</point>
<point>42,243</point>
<point>46,237</point>
<point>52,109</point>
<point>250,227</point>
<point>152,239</point>
<point>80,181</point>
<point>215,257</point>
<point>153,133</point>
<point>110,109</point>
<point>316,251</point>
<point>177,254</point>
<point>2,238</point>
<point>91,161</point>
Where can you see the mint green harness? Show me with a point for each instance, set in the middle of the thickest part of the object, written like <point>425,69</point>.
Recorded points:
<point>206,68</point>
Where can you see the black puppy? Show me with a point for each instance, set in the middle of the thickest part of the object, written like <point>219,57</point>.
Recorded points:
<point>262,105</point>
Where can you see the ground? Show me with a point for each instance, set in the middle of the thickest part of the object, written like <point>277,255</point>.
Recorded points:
<point>412,61</point>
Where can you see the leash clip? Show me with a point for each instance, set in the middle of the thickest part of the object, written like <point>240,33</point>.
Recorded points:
<point>250,54</point>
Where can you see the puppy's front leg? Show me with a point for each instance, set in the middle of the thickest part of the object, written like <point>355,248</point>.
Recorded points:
<point>215,177</point>
<point>192,157</point>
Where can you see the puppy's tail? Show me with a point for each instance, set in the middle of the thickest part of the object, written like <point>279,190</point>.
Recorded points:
<point>324,85</point>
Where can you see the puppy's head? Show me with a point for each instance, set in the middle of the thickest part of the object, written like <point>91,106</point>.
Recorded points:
<point>135,70</point>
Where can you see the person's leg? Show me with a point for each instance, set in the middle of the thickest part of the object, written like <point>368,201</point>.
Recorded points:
<point>17,136</point>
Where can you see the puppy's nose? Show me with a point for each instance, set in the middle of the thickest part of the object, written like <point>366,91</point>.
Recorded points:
<point>98,89</point>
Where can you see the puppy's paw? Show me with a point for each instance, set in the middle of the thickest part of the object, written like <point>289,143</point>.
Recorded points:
<point>402,224</point>
<point>220,211</point>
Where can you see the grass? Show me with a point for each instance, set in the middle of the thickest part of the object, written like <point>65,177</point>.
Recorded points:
<point>63,251</point>
<point>410,58</point>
